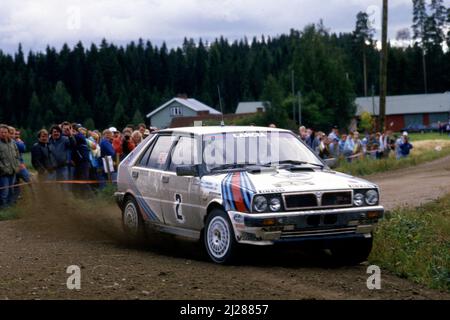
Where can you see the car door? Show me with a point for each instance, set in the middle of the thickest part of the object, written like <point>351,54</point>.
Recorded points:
<point>147,175</point>
<point>180,198</point>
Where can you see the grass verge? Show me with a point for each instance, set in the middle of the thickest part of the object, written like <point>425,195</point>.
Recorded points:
<point>9,213</point>
<point>415,244</point>
<point>423,151</point>
<point>429,136</point>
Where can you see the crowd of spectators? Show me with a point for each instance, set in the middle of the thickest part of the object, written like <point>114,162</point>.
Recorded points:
<point>354,146</point>
<point>66,152</point>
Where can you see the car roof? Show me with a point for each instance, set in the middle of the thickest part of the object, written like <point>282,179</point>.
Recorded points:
<point>221,129</point>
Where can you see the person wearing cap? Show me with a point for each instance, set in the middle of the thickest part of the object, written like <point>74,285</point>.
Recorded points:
<point>117,143</point>
<point>334,134</point>
<point>406,146</point>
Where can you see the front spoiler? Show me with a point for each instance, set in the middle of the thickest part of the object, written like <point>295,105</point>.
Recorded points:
<point>270,228</point>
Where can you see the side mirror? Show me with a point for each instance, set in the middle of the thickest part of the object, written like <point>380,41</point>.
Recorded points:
<point>187,171</point>
<point>332,162</point>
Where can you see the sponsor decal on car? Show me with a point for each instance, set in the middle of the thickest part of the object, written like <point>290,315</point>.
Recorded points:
<point>237,191</point>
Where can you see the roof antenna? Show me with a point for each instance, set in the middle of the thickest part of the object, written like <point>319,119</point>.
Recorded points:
<point>222,123</point>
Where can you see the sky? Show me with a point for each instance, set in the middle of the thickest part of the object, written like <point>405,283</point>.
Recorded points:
<point>38,23</point>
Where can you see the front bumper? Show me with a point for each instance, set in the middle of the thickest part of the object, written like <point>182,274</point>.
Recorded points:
<point>270,228</point>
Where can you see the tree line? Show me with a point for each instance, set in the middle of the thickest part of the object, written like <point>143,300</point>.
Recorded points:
<point>106,84</point>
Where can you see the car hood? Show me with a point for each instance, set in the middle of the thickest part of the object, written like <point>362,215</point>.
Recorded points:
<point>282,181</point>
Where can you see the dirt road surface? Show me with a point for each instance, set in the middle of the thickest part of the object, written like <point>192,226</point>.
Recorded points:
<point>55,232</point>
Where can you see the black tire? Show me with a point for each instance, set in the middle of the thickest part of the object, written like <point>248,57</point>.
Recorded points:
<point>352,251</point>
<point>219,240</point>
<point>132,222</point>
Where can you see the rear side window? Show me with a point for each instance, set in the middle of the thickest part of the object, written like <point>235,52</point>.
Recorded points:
<point>160,153</point>
<point>145,156</point>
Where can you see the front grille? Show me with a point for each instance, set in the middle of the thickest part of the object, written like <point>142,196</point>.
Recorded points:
<point>300,201</point>
<point>339,198</point>
<point>318,200</point>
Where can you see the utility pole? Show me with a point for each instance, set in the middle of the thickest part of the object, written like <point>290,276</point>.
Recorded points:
<point>424,66</point>
<point>299,96</point>
<point>222,123</point>
<point>293,94</point>
<point>383,67</point>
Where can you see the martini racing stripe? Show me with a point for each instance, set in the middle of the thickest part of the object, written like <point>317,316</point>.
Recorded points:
<point>237,191</point>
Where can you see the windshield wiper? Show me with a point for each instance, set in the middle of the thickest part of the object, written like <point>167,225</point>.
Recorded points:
<point>229,166</point>
<point>287,163</point>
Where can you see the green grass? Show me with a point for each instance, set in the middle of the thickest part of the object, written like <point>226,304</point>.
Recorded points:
<point>415,244</point>
<point>369,166</point>
<point>9,214</point>
<point>428,136</point>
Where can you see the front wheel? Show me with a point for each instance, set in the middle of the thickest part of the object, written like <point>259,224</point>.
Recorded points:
<point>219,239</point>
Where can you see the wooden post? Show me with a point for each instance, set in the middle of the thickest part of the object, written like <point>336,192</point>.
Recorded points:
<point>383,67</point>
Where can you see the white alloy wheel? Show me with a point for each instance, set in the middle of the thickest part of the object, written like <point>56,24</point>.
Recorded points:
<point>219,237</point>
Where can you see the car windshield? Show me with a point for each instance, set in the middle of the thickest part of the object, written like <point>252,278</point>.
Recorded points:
<point>260,148</point>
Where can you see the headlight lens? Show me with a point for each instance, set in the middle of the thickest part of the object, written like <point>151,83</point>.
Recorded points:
<point>371,197</point>
<point>260,203</point>
<point>275,204</point>
<point>358,199</point>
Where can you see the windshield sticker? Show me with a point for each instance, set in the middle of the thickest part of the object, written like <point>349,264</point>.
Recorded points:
<point>248,135</point>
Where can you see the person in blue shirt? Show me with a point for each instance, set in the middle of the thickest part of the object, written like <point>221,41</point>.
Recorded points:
<point>107,150</point>
<point>405,147</point>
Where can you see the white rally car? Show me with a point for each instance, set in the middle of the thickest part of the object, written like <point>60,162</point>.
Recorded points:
<point>228,186</point>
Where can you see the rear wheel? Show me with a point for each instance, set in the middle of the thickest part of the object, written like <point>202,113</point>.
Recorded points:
<point>132,222</point>
<point>352,251</point>
<point>219,239</point>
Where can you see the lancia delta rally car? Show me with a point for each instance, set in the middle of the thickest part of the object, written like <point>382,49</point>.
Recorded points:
<point>228,186</point>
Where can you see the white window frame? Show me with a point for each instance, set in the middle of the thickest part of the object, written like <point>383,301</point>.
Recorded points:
<point>176,111</point>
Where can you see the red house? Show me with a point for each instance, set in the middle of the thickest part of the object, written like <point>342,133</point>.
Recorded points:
<point>405,110</point>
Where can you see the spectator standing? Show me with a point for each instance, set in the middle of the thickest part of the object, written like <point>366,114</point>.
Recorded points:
<point>117,143</point>
<point>136,136</point>
<point>334,134</point>
<point>141,128</point>
<point>398,143</point>
<point>94,155</point>
<point>341,144</point>
<point>60,148</point>
<point>67,132</point>
<point>23,174</point>
<point>80,153</point>
<point>107,150</point>
<point>127,143</point>
<point>9,166</point>
<point>41,156</point>
<point>349,146</point>
<point>405,147</point>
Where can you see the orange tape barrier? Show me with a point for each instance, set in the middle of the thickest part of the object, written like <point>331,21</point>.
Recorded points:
<point>59,182</point>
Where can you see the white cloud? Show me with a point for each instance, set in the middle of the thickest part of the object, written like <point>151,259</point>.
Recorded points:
<point>36,23</point>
